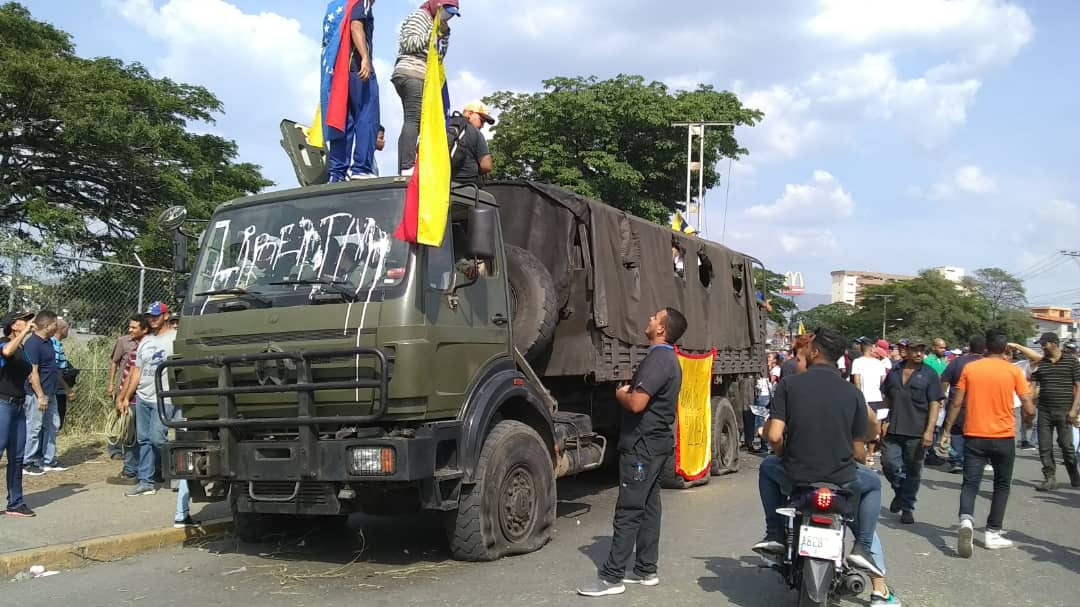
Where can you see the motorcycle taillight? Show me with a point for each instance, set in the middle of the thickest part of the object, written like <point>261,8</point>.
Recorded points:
<point>823,499</point>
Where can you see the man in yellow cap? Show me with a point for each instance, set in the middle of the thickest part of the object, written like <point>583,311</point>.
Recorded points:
<point>469,154</point>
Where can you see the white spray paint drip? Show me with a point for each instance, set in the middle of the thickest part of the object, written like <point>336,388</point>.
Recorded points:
<point>374,244</point>
<point>224,227</point>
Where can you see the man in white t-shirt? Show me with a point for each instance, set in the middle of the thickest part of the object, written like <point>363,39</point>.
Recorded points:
<point>868,372</point>
<point>150,433</point>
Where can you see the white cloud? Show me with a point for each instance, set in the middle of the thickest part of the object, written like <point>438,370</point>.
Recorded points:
<point>969,179</point>
<point>822,199</point>
<point>810,243</point>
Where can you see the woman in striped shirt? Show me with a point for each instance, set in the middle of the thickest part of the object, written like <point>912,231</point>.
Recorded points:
<point>410,68</point>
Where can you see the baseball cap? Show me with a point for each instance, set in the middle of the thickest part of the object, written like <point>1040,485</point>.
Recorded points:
<point>916,343</point>
<point>881,343</point>
<point>1070,347</point>
<point>1048,338</point>
<point>157,309</point>
<point>904,342</point>
<point>10,318</point>
<point>481,108</point>
<point>451,10</point>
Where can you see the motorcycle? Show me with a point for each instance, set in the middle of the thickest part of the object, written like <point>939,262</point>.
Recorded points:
<point>813,562</point>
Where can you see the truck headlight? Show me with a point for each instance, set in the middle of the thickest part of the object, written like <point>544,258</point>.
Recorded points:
<point>371,461</point>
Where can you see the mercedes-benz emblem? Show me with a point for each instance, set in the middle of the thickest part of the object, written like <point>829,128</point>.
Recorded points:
<point>277,372</point>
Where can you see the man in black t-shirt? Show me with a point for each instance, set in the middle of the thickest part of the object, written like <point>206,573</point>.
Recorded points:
<point>1058,401</point>
<point>913,394</point>
<point>818,428</point>
<point>470,158</point>
<point>645,445</point>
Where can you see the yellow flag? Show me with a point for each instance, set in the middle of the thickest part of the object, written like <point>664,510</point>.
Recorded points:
<point>314,134</point>
<point>693,423</point>
<point>433,155</point>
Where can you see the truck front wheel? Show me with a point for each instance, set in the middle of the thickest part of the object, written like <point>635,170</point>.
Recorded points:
<point>511,507</point>
<point>725,437</point>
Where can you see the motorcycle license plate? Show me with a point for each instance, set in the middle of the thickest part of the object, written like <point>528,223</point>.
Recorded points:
<point>821,543</point>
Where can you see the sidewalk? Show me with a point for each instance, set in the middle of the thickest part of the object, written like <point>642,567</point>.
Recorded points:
<point>77,506</point>
<point>72,512</point>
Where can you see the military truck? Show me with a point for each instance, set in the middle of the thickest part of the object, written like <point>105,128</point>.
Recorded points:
<point>324,367</point>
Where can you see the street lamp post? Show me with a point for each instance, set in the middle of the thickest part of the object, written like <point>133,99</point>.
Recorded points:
<point>697,128</point>
<point>884,310</point>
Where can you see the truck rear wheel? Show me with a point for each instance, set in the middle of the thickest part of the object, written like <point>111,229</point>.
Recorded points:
<point>534,311</point>
<point>725,437</point>
<point>511,507</point>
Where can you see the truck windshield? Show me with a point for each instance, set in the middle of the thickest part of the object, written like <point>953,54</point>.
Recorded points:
<point>287,252</point>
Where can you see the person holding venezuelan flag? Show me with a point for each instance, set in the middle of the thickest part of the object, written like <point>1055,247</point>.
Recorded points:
<point>349,92</point>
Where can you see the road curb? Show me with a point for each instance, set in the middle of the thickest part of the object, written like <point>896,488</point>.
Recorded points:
<point>105,549</point>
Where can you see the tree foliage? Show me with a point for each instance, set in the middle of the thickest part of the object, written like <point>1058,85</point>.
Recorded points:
<point>92,149</point>
<point>774,283</point>
<point>928,306</point>
<point>612,140</point>
<point>1002,291</point>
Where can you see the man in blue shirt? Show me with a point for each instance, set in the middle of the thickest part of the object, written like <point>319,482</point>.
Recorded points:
<point>352,152</point>
<point>42,411</point>
<point>913,394</point>
<point>62,395</point>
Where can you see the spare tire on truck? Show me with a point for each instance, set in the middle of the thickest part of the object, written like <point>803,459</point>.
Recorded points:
<point>533,308</point>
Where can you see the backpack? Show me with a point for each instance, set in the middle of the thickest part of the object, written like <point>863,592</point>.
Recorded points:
<point>456,128</point>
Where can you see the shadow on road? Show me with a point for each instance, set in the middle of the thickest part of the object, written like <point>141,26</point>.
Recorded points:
<point>936,536</point>
<point>744,581</point>
<point>53,494</point>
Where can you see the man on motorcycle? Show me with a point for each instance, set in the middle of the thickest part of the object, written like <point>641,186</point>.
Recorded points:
<point>818,429</point>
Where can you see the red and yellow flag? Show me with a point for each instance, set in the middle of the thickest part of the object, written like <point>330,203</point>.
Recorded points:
<point>693,421</point>
<point>427,198</point>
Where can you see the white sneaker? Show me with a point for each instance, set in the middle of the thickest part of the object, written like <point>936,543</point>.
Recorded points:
<point>964,536</point>
<point>56,468</point>
<point>988,468</point>
<point>993,540</point>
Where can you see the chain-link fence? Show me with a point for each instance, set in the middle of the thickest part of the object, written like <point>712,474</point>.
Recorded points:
<point>96,298</point>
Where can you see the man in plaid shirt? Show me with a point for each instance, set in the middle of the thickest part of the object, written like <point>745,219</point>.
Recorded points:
<point>138,327</point>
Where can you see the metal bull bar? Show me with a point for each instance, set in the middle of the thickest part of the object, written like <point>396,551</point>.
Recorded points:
<point>304,387</point>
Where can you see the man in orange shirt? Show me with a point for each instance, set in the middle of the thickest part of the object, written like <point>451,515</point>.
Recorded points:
<point>985,390</point>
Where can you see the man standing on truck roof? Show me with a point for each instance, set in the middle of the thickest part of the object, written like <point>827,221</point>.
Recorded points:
<point>349,101</point>
<point>645,445</point>
<point>470,158</point>
<point>150,433</point>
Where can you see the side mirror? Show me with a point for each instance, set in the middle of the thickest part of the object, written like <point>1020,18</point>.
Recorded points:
<point>172,218</point>
<point>482,231</point>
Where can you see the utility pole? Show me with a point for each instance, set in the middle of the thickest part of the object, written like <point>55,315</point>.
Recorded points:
<point>698,129</point>
<point>884,310</point>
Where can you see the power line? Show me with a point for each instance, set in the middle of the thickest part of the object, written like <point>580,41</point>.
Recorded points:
<point>1043,268</point>
<point>727,196</point>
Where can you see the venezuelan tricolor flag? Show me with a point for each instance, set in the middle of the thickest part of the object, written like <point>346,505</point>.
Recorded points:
<point>334,81</point>
<point>427,198</point>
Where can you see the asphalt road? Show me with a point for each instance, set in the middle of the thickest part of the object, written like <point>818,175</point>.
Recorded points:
<point>705,558</point>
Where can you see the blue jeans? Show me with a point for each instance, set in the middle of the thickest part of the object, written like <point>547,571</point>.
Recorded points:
<point>41,430</point>
<point>151,435</point>
<point>361,129</point>
<point>956,450</point>
<point>903,466</point>
<point>773,482</point>
<point>13,442</point>
<point>183,501</point>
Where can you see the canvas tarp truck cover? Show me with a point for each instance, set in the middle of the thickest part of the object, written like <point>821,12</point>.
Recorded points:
<point>633,274</point>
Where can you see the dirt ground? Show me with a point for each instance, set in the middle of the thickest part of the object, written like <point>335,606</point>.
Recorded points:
<point>86,459</point>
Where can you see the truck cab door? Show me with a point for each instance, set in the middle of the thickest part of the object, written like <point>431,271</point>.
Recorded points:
<point>468,314</point>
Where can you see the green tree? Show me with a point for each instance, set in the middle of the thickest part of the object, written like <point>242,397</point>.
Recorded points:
<point>1001,290</point>
<point>929,305</point>
<point>92,149</point>
<point>837,316</point>
<point>612,140</point>
<point>774,283</point>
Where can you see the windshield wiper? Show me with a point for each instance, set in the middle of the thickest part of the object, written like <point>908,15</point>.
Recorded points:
<point>254,295</point>
<point>334,285</point>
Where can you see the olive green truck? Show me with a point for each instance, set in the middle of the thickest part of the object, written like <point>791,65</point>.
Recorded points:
<point>324,367</point>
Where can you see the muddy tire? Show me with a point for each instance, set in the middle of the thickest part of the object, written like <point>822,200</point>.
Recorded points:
<point>725,438</point>
<point>534,310</point>
<point>511,507</point>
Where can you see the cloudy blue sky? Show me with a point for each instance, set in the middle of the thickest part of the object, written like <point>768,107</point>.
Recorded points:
<point>898,135</point>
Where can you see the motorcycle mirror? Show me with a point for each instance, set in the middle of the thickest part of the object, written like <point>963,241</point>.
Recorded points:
<point>172,218</point>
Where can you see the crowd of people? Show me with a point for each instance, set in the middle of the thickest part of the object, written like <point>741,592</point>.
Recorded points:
<point>36,383</point>
<point>353,137</point>
<point>826,407</point>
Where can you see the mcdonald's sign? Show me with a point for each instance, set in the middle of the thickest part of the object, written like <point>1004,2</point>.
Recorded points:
<point>793,284</point>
